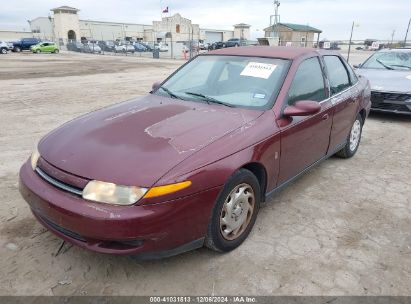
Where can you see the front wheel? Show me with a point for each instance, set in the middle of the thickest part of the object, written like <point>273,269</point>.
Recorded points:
<point>235,212</point>
<point>4,51</point>
<point>38,51</point>
<point>56,51</point>
<point>353,140</point>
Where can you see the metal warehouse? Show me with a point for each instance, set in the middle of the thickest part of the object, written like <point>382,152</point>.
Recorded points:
<point>66,25</point>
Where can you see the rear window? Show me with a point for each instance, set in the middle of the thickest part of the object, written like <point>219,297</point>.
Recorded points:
<point>337,74</point>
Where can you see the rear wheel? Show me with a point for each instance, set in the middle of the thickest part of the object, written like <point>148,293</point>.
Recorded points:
<point>235,212</point>
<point>353,140</point>
<point>56,51</point>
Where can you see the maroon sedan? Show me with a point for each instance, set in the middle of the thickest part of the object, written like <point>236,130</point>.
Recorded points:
<point>189,164</point>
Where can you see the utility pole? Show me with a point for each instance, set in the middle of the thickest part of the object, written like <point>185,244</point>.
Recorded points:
<point>392,37</point>
<point>276,19</point>
<point>406,33</point>
<point>349,44</point>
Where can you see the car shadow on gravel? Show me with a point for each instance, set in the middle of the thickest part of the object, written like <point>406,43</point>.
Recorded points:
<point>390,117</point>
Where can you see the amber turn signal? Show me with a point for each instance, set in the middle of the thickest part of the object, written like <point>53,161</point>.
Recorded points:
<point>167,189</point>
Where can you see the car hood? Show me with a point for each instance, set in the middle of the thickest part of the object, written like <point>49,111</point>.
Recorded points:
<point>388,80</point>
<point>137,142</point>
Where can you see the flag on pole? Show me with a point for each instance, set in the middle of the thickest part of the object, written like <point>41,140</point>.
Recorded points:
<point>165,11</point>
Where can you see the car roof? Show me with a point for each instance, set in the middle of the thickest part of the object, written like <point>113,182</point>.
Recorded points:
<point>284,52</point>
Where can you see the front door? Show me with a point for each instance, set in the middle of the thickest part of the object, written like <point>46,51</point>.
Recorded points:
<point>305,140</point>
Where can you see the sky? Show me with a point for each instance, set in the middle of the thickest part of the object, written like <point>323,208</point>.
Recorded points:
<point>373,18</point>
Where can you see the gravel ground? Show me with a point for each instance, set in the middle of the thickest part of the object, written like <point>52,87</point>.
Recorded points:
<point>341,229</point>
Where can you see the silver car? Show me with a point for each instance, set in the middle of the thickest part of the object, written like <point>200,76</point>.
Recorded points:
<point>389,72</point>
<point>5,47</point>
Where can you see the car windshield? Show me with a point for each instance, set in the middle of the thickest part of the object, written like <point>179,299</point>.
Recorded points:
<point>249,82</point>
<point>391,60</point>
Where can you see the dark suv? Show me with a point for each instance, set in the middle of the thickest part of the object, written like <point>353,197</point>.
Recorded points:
<point>25,44</point>
<point>234,42</point>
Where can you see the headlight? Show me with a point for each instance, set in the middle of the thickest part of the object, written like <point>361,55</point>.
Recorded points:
<point>34,158</point>
<point>110,193</point>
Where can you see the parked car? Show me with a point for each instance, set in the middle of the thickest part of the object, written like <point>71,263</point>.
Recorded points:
<point>93,47</point>
<point>189,164</point>
<point>24,44</point>
<point>125,48</point>
<point>5,47</point>
<point>45,47</point>
<point>389,72</point>
<point>216,45</point>
<point>162,47</point>
<point>147,46</point>
<point>234,42</point>
<point>75,46</point>
<point>139,47</point>
<point>107,46</point>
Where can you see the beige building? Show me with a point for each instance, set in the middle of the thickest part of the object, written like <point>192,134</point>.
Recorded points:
<point>65,25</point>
<point>291,34</point>
<point>242,31</point>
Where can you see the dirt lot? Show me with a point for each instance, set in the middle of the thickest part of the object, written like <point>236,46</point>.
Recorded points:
<point>342,229</point>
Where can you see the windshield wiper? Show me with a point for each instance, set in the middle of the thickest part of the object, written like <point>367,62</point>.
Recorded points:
<point>401,66</point>
<point>384,65</point>
<point>169,92</point>
<point>209,99</point>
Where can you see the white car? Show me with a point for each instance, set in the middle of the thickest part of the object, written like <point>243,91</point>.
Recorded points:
<point>125,48</point>
<point>162,47</point>
<point>5,47</point>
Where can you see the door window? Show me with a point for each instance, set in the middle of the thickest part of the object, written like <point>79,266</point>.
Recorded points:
<point>308,83</point>
<point>337,74</point>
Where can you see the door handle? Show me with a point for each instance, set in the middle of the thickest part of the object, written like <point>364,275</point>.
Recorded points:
<point>325,117</point>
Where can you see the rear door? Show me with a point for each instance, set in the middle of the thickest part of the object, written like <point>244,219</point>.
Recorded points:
<point>345,97</point>
<point>305,140</point>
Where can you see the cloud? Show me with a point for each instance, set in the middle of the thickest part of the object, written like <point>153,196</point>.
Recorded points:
<point>376,18</point>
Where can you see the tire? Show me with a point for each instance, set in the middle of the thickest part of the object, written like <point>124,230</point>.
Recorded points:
<point>220,236</point>
<point>38,51</point>
<point>56,51</point>
<point>17,49</point>
<point>353,140</point>
<point>3,51</point>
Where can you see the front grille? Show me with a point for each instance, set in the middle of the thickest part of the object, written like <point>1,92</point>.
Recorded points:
<point>57,183</point>
<point>62,230</point>
<point>390,101</point>
<point>391,107</point>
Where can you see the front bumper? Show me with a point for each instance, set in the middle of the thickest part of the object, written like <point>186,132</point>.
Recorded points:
<point>127,230</point>
<point>399,103</point>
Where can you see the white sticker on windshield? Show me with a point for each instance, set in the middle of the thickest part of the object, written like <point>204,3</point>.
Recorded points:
<point>258,69</point>
<point>409,77</point>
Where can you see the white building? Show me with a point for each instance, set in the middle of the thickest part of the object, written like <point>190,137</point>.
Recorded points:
<point>65,25</point>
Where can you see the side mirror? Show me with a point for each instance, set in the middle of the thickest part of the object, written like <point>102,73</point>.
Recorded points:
<point>303,108</point>
<point>156,85</point>
<point>357,66</point>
